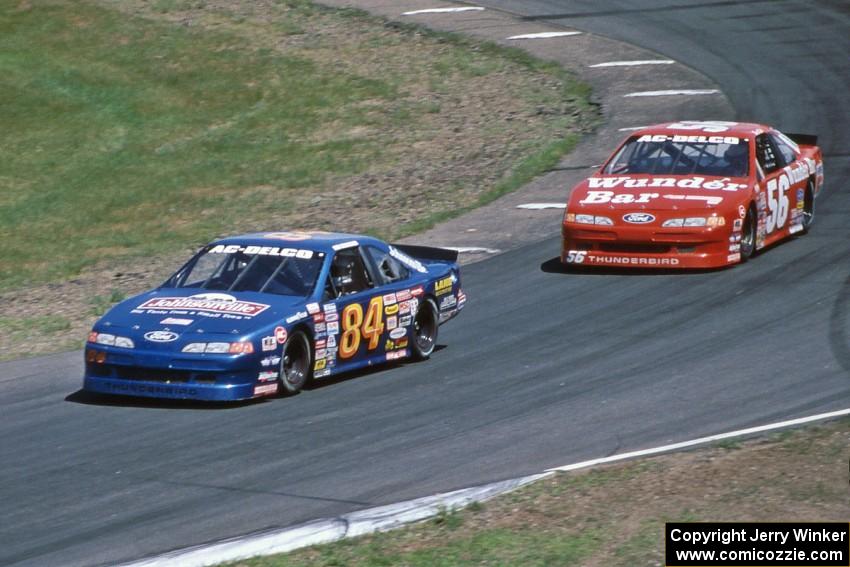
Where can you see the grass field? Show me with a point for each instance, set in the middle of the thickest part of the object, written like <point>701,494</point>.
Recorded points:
<point>615,515</point>
<point>135,131</point>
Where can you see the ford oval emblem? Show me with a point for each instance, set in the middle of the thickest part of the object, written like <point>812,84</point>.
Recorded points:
<point>638,218</point>
<point>161,336</point>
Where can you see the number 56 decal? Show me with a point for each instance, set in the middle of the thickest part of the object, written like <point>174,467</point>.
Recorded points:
<point>576,256</point>
<point>355,326</point>
<point>777,202</point>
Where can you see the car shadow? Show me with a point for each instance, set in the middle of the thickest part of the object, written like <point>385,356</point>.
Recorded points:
<point>319,383</point>
<point>555,266</point>
<point>94,399</point>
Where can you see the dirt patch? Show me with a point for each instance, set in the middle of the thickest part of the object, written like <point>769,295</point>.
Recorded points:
<point>455,117</point>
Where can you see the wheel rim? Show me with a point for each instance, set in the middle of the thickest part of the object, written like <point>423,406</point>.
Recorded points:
<point>748,238</point>
<point>424,329</point>
<point>808,207</point>
<point>295,362</point>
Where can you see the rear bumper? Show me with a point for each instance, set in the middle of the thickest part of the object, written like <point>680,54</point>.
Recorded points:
<point>641,248</point>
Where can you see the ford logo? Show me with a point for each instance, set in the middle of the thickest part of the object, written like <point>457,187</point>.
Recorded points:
<point>638,218</point>
<point>161,336</point>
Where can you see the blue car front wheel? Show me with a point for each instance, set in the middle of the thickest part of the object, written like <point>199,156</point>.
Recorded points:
<point>295,363</point>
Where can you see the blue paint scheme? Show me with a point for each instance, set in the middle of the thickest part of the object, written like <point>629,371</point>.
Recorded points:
<point>162,370</point>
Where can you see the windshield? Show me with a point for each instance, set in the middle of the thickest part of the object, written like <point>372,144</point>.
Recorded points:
<point>266,269</point>
<point>682,155</point>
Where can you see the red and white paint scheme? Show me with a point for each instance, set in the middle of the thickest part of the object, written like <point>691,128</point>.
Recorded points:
<point>693,195</point>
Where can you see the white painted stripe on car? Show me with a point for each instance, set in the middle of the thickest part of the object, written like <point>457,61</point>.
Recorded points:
<point>675,92</point>
<point>539,206</point>
<point>444,10</point>
<point>544,35</point>
<point>472,250</point>
<point>633,63</point>
<point>355,524</point>
<point>702,441</point>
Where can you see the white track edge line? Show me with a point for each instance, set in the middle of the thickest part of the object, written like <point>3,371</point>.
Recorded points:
<point>701,441</point>
<point>443,10</point>
<point>632,63</point>
<point>687,92</point>
<point>544,35</point>
<point>381,518</point>
<point>472,249</point>
<point>539,206</point>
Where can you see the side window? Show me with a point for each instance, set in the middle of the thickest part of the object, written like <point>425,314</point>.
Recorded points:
<point>348,273</point>
<point>786,151</point>
<point>766,155</point>
<point>390,269</point>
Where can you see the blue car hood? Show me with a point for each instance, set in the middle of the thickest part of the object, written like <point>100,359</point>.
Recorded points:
<point>197,311</point>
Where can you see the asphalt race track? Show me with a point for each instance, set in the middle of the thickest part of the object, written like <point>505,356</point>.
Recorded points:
<point>542,369</point>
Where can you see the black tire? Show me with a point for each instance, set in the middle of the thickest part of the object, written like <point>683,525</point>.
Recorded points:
<point>426,328</point>
<point>808,207</point>
<point>296,363</point>
<point>748,235</point>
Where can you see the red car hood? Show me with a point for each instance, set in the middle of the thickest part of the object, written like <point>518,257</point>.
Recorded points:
<point>656,192</point>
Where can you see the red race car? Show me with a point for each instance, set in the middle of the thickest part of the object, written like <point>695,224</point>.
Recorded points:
<point>693,195</point>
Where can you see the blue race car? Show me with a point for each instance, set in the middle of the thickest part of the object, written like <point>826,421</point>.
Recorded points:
<point>260,314</point>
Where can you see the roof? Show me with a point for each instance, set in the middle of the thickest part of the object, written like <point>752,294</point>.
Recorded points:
<point>319,241</point>
<point>694,127</point>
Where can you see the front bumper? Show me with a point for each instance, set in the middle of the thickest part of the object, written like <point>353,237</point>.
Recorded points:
<point>172,378</point>
<point>635,247</point>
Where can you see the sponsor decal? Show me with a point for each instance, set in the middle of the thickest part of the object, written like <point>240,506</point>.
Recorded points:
<point>639,218</point>
<point>708,200</point>
<point>265,389</point>
<point>404,295</point>
<point>330,317</point>
<point>396,344</point>
<point>320,364</point>
<point>734,248</point>
<point>262,251</point>
<point>633,261</point>
<point>318,317</point>
<point>268,343</point>
<point>391,309</point>
<point>398,332</point>
<point>443,286</point>
<point>461,299</point>
<point>176,321</point>
<point>742,211</point>
<point>270,360</point>
<point>733,257</point>
<point>344,245</point>
<point>738,224</point>
<point>395,355</point>
<point>321,373</point>
<point>330,308</point>
<point>392,322</point>
<point>333,328</point>
<point>389,299</point>
<point>320,344</point>
<point>695,182</point>
<point>313,308</point>
<point>150,389</point>
<point>680,138</point>
<point>319,328</point>
<point>211,302</point>
<point>161,336</point>
<point>409,261</point>
<point>331,342</point>
<point>417,291</point>
<point>280,335</point>
<point>321,353</point>
<point>405,321</point>
<point>448,302</point>
<point>267,375</point>
<point>297,317</point>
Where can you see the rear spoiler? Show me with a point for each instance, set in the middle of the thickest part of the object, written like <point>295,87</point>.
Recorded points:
<point>804,139</point>
<point>428,252</point>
